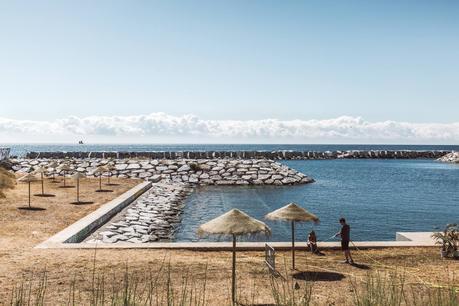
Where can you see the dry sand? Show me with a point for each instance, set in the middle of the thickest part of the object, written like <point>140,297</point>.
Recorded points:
<point>21,230</point>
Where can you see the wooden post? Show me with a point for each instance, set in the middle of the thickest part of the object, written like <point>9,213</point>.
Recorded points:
<point>233,292</point>
<point>64,178</point>
<point>42,184</point>
<point>29,196</point>
<point>100,180</point>
<point>293,245</point>
<point>78,190</point>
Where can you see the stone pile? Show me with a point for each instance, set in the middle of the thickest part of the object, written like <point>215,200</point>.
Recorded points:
<point>154,216</point>
<point>450,158</point>
<point>274,155</point>
<point>191,171</point>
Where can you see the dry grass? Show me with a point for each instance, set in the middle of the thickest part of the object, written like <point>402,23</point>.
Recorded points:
<point>332,285</point>
<point>6,181</point>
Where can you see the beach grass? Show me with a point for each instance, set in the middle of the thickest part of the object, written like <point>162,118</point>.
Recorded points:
<point>158,287</point>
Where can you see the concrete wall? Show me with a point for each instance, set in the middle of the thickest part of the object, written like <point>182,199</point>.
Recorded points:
<point>79,230</point>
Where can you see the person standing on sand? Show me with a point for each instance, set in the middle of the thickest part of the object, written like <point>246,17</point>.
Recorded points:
<point>345,234</point>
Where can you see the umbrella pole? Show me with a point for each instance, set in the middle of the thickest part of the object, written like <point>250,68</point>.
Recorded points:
<point>233,291</point>
<point>42,185</point>
<point>64,178</point>
<point>100,181</point>
<point>29,195</point>
<point>78,190</point>
<point>293,245</point>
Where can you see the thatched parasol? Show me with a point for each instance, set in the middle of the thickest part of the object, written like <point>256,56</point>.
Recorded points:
<point>77,176</point>
<point>42,171</point>
<point>110,167</point>
<point>29,178</point>
<point>234,223</point>
<point>64,168</point>
<point>53,165</point>
<point>294,213</point>
<point>101,170</point>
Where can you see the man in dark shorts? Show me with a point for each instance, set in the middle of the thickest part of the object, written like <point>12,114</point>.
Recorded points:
<point>345,234</point>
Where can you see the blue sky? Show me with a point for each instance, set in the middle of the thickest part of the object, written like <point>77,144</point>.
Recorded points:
<point>230,60</point>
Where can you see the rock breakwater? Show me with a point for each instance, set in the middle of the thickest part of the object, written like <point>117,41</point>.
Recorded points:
<point>154,216</point>
<point>452,157</point>
<point>273,155</point>
<point>191,171</point>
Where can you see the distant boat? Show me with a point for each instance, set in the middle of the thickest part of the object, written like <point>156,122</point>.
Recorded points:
<point>80,142</point>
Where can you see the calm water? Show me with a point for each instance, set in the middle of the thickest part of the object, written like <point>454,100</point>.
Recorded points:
<point>21,149</point>
<point>378,197</point>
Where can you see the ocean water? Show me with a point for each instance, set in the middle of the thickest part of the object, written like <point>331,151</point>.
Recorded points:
<point>377,197</point>
<point>21,149</point>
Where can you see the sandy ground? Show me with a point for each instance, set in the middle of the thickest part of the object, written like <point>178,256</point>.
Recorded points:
<point>331,280</point>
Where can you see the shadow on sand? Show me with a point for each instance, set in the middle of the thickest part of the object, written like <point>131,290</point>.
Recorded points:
<point>104,190</point>
<point>82,203</point>
<point>31,208</point>
<point>318,276</point>
<point>44,195</point>
<point>360,266</point>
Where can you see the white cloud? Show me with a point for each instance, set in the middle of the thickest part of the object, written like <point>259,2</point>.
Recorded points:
<point>164,127</point>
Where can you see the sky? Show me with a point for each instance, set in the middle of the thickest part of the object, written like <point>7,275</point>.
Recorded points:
<point>229,71</point>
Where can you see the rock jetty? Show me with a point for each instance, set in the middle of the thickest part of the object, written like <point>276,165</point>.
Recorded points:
<point>272,155</point>
<point>190,171</point>
<point>154,216</point>
<point>452,157</point>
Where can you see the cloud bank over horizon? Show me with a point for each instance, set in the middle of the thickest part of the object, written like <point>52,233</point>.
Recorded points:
<point>162,127</point>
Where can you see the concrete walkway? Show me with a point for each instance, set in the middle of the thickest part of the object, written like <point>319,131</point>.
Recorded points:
<point>247,246</point>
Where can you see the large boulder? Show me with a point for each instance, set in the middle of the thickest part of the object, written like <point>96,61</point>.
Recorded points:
<point>452,157</point>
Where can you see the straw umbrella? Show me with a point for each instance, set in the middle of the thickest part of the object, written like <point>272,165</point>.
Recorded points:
<point>234,223</point>
<point>42,171</point>
<point>53,165</point>
<point>77,176</point>
<point>101,170</point>
<point>29,178</point>
<point>110,167</point>
<point>294,213</point>
<point>64,168</point>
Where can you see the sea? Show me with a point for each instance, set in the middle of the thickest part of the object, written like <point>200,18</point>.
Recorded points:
<point>378,197</point>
